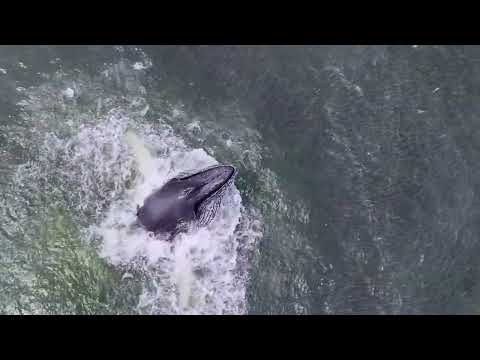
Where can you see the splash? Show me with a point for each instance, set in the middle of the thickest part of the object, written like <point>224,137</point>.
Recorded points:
<point>143,157</point>
<point>99,160</point>
<point>199,271</point>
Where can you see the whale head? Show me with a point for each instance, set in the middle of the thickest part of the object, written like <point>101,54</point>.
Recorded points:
<point>186,198</point>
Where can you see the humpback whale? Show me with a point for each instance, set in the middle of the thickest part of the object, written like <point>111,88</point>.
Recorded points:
<point>185,199</point>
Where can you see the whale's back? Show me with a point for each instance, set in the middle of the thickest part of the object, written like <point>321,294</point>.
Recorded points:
<point>165,210</point>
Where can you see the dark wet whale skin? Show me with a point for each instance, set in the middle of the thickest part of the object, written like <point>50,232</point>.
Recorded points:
<point>186,199</point>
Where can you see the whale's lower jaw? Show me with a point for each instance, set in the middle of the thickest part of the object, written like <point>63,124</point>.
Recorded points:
<point>208,210</point>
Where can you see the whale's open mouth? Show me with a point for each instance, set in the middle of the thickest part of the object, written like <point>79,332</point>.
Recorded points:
<point>205,189</point>
<point>208,182</point>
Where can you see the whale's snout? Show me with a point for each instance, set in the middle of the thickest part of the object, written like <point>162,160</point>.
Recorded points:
<point>209,181</point>
<point>216,176</point>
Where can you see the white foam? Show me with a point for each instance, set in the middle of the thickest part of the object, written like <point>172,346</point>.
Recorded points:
<point>199,269</point>
<point>139,66</point>
<point>68,92</point>
<point>108,159</point>
<point>200,272</point>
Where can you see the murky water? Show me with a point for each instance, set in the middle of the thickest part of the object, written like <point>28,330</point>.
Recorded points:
<point>356,190</point>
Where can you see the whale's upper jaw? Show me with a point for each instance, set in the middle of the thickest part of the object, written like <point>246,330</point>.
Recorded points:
<point>211,185</point>
<point>208,182</point>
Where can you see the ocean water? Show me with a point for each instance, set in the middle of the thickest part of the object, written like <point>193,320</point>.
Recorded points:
<point>356,191</point>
